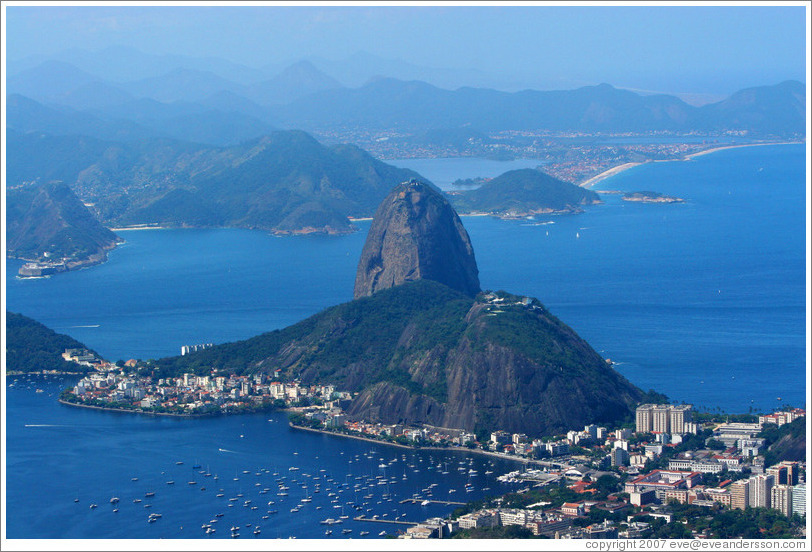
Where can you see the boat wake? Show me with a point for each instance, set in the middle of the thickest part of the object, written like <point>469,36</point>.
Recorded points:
<point>44,425</point>
<point>226,450</point>
<point>86,326</point>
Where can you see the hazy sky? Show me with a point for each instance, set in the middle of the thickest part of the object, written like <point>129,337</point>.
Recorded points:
<point>666,48</point>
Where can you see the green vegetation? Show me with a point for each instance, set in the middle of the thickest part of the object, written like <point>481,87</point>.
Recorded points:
<point>413,336</point>
<point>653,397</point>
<point>49,218</point>
<point>285,181</point>
<point>523,191</point>
<point>501,532</point>
<point>719,417</point>
<point>32,347</point>
<point>787,442</point>
<point>362,332</point>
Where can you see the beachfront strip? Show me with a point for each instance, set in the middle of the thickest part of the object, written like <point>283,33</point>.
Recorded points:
<point>668,456</point>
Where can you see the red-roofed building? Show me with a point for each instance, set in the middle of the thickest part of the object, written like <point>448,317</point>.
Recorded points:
<point>581,487</point>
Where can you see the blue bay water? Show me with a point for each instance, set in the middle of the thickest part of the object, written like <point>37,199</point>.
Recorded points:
<point>62,459</point>
<point>703,301</point>
<point>444,171</point>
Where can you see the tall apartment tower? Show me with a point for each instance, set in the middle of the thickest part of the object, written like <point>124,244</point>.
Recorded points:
<point>660,419</point>
<point>781,499</point>
<point>678,416</point>
<point>799,499</point>
<point>619,457</point>
<point>740,494</point>
<point>760,490</point>
<point>643,418</point>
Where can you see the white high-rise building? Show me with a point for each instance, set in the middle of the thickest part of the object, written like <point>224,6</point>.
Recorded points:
<point>660,418</point>
<point>799,499</point>
<point>643,418</point>
<point>761,491</point>
<point>678,416</point>
<point>781,499</point>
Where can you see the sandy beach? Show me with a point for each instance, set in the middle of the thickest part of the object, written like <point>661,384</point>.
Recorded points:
<point>606,174</point>
<point>720,148</point>
<point>620,168</point>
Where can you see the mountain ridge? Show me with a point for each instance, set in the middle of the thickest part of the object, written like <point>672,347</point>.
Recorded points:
<point>285,182</point>
<point>304,96</point>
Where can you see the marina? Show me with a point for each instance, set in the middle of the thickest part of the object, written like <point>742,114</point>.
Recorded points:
<point>394,521</point>
<point>426,502</point>
<point>336,488</point>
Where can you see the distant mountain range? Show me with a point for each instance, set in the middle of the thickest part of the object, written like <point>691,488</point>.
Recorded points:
<point>308,96</point>
<point>416,106</point>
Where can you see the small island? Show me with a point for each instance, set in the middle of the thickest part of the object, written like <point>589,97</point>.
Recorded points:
<point>521,194</point>
<point>651,197</point>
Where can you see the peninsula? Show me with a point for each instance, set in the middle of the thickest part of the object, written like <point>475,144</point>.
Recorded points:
<point>49,227</point>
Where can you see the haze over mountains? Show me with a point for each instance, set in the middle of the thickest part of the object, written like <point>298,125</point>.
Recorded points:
<point>182,141</point>
<point>218,102</point>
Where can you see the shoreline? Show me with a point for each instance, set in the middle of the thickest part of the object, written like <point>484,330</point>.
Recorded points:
<point>142,412</point>
<point>46,373</point>
<point>733,146</point>
<point>625,166</point>
<point>609,172</point>
<point>382,442</point>
<point>139,227</point>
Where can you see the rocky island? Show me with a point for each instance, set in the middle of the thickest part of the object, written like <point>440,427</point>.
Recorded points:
<point>650,197</point>
<point>421,344</point>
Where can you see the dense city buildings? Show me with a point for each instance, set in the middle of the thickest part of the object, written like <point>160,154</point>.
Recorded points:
<point>652,465</point>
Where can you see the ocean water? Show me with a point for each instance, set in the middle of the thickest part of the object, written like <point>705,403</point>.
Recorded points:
<point>704,301</point>
<point>62,459</point>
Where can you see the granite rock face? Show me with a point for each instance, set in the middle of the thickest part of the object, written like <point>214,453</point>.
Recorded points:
<point>416,234</point>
